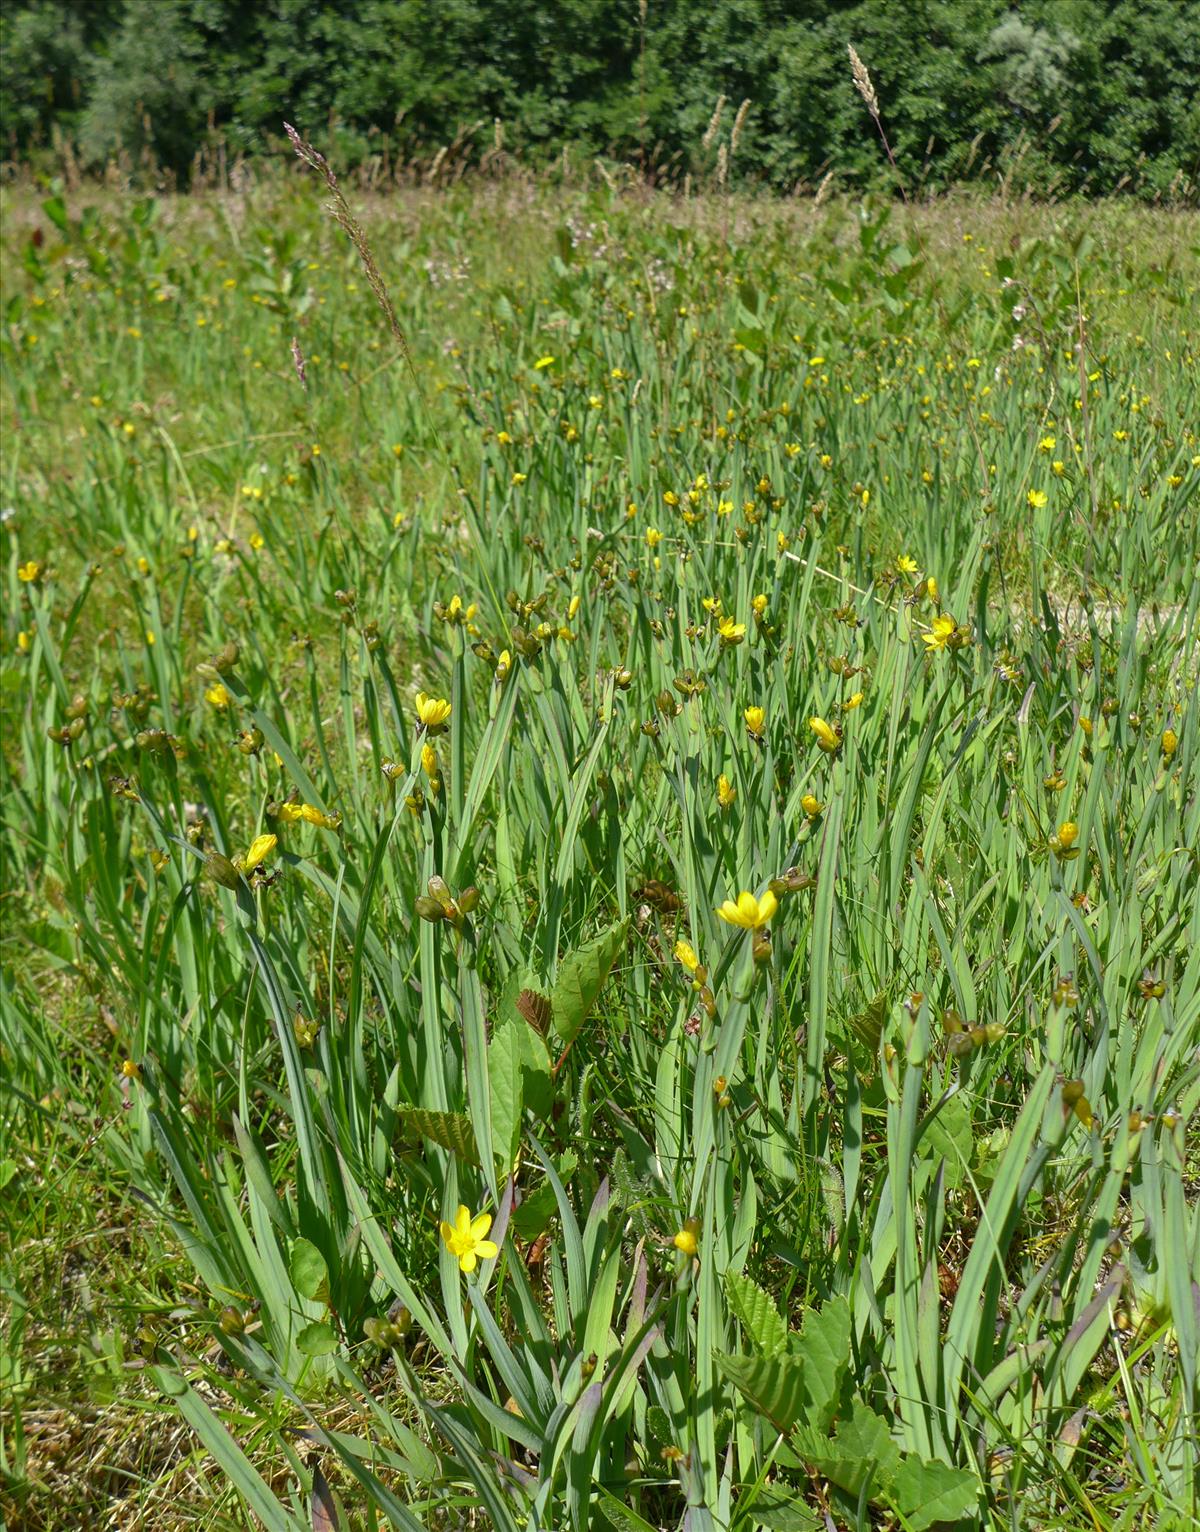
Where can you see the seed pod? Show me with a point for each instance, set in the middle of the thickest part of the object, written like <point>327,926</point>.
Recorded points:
<point>468,899</point>
<point>231,1321</point>
<point>227,659</point>
<point>439,890</point>
<point>429,909</point>
<point>221,870</point>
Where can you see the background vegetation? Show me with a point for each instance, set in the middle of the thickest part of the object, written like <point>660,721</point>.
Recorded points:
<point>1097,95</point>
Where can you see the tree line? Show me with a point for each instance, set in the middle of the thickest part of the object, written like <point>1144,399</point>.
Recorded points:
<point>1061,95</point>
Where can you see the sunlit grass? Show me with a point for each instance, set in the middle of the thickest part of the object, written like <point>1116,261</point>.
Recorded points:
<point>841,558</point>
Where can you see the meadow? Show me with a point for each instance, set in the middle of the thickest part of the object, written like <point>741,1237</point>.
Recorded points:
<point>600,840</point>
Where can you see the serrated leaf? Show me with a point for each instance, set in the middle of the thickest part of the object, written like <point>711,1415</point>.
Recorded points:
<point>535,1008</point>
<point>658,1424</point>
<point>581,976</point>
<point>801,1384</point>
<point>861,1455</point>
<point>308,1271</point>
<point>316,1339</point>
<point>774,1385</point>
<point>756,1310</point>
<point>932,1494</point>
<point>867,1025</point>
<point>450,1130</point>
<point>619,1516</point>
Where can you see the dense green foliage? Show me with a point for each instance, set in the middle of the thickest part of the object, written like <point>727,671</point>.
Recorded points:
<point>839,556</point>
<point>1093,94</point>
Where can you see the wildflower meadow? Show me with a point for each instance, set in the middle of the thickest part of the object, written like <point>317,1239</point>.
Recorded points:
<point>601,843</point>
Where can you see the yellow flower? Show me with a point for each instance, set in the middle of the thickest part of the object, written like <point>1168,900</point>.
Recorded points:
<point>503,665</point>
<point>906,564</point>
<point>940,634</point>
<point>219,695</point>
<point>828,739</point>
<point>852,702</point>
<point>1063,843</point>
<point>24,642</point>
<point>429,761</point>
<point>755,718</point>
<point>260,848</point>
<point>686,1241</point>
<point>759,606</point>
<point>465,1238</point>
<point>726,792</point>
<point>294,813</point>
<point>432,712</point>
<point>28,573</point>
<point>653,537</point>
<point>748,912</point>
<point>685,953</point>
<point>1086,725</point>
<point>1170,743</point>
<point>731,632</point>
<point>1048,443</point>
<point>540,366</point>
<point>811,806</point>
<point>1036,498</point>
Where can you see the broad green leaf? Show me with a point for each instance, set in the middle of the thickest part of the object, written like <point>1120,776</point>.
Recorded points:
<point>823,1348</point>
<point>948,1138</point>
<point>581,976</point>
<point>783,1513</point>
<point>316,1339</point>
<point>504,1088</point>
<point>308,1271</point>
<point>531,1217</point>
<point>928,1494</point>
